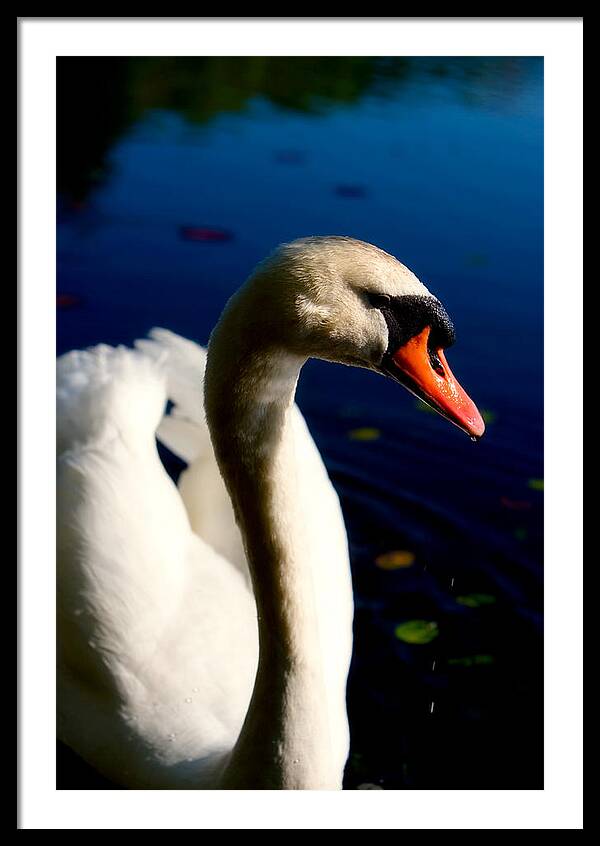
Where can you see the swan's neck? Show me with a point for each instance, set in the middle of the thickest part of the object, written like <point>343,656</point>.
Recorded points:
<point>249,393</point>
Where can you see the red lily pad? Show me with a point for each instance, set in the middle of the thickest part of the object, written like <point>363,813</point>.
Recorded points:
<point>205,234</point>
<point>67,300</point>
<point>515,504</point>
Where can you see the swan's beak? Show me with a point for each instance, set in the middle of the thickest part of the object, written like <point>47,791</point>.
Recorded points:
<point>425,372</point>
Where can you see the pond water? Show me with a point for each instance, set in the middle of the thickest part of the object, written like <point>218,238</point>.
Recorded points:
<point>176,176</point>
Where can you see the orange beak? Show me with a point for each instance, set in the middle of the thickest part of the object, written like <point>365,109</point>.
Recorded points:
<point>426,374</point>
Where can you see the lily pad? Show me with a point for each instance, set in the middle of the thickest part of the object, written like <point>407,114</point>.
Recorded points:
<point>471,661</point>
<point>205,234</point>
<point>515,504</point>
<point>475,600</point>
<point>417,631</point>
<point>353,191</point>
<point>520,534</point>
<point>476,260</point>
<point>366,433</point>
<point>395,560</point>
<point>292,157</point>
<point>67,300</point>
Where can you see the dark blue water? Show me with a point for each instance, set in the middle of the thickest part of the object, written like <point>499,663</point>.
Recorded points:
<point>176,177</point>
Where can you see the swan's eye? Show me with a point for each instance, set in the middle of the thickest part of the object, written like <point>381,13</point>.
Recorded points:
<point>436,363</point>
<point>378,300</point>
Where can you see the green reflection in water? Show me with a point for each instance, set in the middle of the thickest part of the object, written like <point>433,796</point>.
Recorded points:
<point>98,98</point>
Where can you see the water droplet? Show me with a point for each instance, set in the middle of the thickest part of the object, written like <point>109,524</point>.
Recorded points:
<point>433,667</point>
<point>188,699</point>
<point>78,612</point>
<point>295,761</point>
<point>474,439</point>
<point>432,707</point>
<point>172,736</point>
<point>195,689</point>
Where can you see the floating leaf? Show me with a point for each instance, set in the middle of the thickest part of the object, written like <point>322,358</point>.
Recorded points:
<point>476,260</point>
<point>351,409</point>
<point>536,484</point>
<point>354,191</point>
<point>396,559</point>
<point>475,600</point>
<point>204,234</point>
<point>515,504</point>
<point>366,433</point>
<point>417,631</point>
<point>67,300</point>
<point>471,661</point>
<point>290,157</point>
<point>356,759</point>
<point>520,534</point>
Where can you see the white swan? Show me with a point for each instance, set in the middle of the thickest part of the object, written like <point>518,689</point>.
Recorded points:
<point>167,675</point>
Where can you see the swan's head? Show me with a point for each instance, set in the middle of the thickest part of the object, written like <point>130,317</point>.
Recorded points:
<point>349,302</point>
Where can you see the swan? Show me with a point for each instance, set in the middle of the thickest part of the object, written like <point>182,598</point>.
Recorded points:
<point>205,631</point>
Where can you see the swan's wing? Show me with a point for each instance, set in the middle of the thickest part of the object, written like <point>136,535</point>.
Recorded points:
<point>185,432</point>
<point>149,616</point>
<point>106,392</point>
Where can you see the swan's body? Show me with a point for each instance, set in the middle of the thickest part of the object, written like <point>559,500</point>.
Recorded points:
<point>159,638</point>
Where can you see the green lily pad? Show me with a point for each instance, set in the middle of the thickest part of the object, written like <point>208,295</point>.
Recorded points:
<point>471,661</point>
<point>536,484</point>
<point>417,631</point>
<point>476,260</point>
<point>366,433</point>
<point>520,534</point>
<point>475,600</point>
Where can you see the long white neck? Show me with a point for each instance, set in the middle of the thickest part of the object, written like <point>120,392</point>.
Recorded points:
<point>285,742</point>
